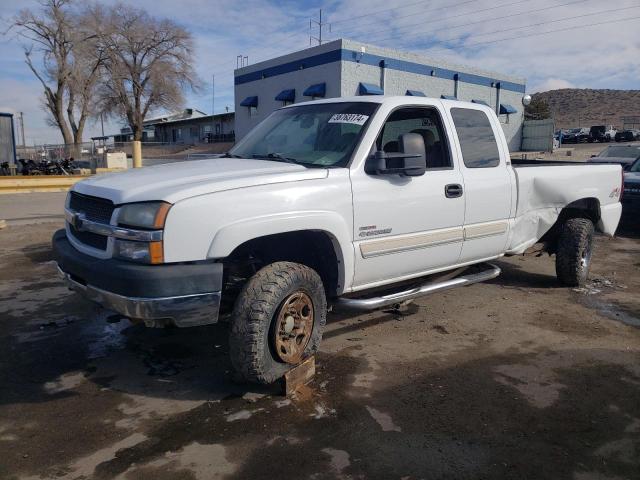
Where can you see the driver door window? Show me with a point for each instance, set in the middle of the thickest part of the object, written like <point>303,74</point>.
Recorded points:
<point>423,121</point>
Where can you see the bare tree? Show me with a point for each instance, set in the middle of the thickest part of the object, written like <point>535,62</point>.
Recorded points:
<point>65,58</point>
<point>147,64</point>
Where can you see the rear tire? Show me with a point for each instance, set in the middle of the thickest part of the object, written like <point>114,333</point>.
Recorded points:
<point>573,255</point>
<point>277,321</point>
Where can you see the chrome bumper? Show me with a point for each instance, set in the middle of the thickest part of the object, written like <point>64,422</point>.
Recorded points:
<point>182,311</point>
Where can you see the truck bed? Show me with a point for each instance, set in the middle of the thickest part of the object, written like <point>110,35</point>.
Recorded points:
<point>545,190</point>
<point>519,163</point>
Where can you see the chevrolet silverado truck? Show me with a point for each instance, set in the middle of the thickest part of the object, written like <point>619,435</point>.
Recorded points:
<point>354,203</point>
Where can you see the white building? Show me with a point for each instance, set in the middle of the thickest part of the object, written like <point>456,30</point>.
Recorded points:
<point>344,68</point>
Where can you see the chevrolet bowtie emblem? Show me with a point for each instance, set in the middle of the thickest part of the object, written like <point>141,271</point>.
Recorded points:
<point>76,220</point>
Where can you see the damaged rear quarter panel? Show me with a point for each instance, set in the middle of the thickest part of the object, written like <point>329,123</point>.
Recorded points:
<point>543,191</point>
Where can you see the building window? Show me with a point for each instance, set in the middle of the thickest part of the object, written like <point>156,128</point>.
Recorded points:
<point>253,111</point>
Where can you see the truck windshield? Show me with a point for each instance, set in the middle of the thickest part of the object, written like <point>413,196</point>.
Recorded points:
<point>630,151</point>
<point>317,135</point>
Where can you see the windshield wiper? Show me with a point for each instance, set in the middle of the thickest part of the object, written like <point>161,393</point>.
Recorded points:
<point>276,156</point>
<point>230,155</point>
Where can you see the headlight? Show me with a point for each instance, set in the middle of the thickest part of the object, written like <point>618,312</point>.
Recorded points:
<point>144,252</point>
<point>151,215</point>
<point>146,215</point>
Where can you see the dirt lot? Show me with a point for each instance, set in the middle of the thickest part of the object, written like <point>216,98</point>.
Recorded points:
<point>516,378</point>
<point>579,152</point>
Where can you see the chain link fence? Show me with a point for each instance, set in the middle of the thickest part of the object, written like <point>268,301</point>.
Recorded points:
<point>92,155</point>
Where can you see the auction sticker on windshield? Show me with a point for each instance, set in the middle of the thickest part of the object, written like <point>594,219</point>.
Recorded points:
<point>352,118</point>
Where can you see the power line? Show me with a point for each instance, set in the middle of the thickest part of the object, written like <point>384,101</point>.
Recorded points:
<point>477,21</point>
<point>553,31</point>
<point>483,10</point>
<point>445,40</point>
<point>386,10</point>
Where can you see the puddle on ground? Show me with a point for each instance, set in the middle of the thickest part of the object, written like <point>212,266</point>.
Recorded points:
<point>108,338</point>
<point>612,311</point>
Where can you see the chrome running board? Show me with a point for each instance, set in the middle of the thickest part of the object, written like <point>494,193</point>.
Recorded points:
<point>373,303</point>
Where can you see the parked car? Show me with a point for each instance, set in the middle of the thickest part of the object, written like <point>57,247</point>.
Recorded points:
<point>360,203</point>
<point>631,195</point>
<point>576,135</point>
<point>602,133</point>
<point>623,155</point>
<point>628,135</point>
<point>570,136</point>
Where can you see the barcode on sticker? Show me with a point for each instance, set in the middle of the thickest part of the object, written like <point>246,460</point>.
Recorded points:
<point>352,118</point>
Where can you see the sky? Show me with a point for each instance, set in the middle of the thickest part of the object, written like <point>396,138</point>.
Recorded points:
<point>552,43</point>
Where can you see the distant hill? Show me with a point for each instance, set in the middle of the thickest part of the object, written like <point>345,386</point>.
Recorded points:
<point>583,107</point>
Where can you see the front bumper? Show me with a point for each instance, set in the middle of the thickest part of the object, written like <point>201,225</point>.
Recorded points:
<point>185,295</point>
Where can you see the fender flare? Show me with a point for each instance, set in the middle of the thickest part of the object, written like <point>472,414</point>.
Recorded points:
<point>231,236</point>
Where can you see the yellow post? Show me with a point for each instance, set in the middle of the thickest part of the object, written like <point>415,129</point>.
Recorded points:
<point>137,154</point>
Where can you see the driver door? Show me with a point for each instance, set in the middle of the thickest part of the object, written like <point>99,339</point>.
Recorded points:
<point>405,227</point>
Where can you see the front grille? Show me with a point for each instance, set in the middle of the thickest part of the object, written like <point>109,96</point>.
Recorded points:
<point>94,208</point>
<point>89,238</point>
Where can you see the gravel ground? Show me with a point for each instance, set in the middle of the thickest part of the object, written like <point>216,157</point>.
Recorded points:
<point>515,378</point>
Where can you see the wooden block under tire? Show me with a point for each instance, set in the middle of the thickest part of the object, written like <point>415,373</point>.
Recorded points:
<point>299,375</point>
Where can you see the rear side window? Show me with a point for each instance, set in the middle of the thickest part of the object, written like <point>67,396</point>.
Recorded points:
<point>477,141</point>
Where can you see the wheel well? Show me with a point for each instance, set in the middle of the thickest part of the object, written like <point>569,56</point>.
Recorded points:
<point>312,248</point>
<point>583,208</point>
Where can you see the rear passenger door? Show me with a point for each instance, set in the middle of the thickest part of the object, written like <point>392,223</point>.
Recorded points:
<point>487,184</point>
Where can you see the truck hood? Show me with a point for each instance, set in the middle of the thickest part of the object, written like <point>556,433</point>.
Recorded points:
<point>173,182</point>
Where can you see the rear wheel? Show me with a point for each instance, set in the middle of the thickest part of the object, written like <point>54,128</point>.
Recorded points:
<point>277,321</point>
<point>573,255</point>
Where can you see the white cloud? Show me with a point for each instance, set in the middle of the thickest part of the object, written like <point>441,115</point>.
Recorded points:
<point>551,84</point>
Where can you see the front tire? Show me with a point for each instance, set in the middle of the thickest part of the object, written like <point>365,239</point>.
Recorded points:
<point>573,255</point>
<point>277,321</point>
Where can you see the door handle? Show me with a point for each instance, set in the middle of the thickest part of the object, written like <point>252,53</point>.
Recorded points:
<point>453,190</point>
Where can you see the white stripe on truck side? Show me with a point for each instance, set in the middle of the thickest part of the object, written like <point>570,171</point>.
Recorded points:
<point>413,241</point>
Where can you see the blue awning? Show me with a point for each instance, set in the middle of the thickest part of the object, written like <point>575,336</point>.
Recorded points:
<point>505,109</point>
<point>415,93</point>
<point>448,97</point>
<point>317,90</point>
<point>480,102</point>
<point>249,102</point>
<point>370,89</point>
<point>287,95</point>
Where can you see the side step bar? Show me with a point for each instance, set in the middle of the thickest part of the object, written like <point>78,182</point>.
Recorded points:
<point>373,303</point>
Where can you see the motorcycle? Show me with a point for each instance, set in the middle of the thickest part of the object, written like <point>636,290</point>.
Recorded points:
<point>47,167</point>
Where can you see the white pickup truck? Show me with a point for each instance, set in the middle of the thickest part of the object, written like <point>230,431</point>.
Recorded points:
<point>357,202</point>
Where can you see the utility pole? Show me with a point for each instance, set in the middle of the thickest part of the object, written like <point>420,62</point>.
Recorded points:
<point>320,25</point>
<point>213,106</point>
<point>24,143</point>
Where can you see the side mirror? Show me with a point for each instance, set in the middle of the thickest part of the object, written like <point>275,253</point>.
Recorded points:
<point>410,162</point>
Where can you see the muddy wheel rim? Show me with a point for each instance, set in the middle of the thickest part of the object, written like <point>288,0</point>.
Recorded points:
<point>293,328</point>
